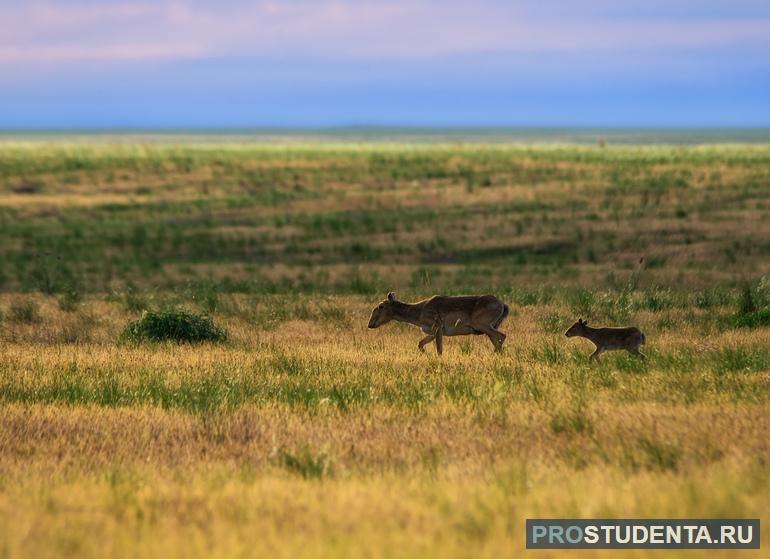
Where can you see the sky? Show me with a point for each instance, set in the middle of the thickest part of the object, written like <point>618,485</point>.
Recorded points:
<point>320,63</point>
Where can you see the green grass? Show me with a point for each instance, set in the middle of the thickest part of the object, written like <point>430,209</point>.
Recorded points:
<point>544,214</point>
<point>281,377</point>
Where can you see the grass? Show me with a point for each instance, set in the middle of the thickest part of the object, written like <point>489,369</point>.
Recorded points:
<point>307,434</point>
<point>24,311</point>
<point>166,215</point>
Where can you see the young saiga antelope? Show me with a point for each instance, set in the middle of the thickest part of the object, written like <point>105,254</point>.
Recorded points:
<point>609,338</point>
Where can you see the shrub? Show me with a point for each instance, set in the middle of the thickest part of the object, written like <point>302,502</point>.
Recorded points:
<point>26,311</point>
<point>173,325</point>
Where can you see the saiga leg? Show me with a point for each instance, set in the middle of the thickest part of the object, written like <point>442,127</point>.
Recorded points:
<point>438,333</point>
<point>425,341</point>
<point>495,336</point>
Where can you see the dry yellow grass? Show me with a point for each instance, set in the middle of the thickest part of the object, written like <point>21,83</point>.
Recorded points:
<point>324,439</point>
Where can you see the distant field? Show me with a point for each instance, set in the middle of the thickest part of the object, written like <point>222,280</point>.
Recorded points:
<point>346,218</point>
<point>305,434</point>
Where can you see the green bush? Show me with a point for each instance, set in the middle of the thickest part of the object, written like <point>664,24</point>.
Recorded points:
<point>173,325</point>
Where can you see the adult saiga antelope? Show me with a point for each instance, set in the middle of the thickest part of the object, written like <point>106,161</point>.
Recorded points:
<point>629,339</point>
<point>441,316</point>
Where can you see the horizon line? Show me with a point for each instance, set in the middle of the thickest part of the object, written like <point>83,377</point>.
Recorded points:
<point>381,127</point>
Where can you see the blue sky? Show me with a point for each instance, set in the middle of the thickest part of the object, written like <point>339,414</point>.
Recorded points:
<point>232,63</point>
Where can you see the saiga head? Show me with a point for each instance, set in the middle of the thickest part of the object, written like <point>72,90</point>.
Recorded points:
<point>577,329</point>
<point>383,313</point>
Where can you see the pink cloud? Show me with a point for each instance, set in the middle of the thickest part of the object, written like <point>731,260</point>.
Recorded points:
<point>67,53</point>
<point>46,32</point>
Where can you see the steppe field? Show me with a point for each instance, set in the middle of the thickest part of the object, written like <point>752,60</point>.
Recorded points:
<point>304,434</point>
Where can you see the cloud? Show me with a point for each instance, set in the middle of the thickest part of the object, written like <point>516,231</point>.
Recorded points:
<point>69,53</point>
<point>39,33</point>
<point>300,62</point>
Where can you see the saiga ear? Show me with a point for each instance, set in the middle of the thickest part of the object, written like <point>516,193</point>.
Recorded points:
<point>391,296</point>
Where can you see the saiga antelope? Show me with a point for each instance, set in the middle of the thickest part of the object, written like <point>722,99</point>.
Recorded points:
<point>441,316</point>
